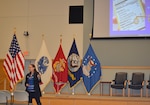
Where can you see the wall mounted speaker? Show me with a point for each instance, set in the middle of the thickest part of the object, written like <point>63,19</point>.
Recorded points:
<point>75,14</point>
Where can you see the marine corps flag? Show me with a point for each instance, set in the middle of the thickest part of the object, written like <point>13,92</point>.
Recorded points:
<point>43,64</point>
<point>60,70</point>
<point>91,69</point>
<point>74,65</point>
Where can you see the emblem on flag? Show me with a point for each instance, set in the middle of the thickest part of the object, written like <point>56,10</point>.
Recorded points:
<point>89,63</point>
<point>59,65</point>
<point>74,62</point>
<point>43,64</point>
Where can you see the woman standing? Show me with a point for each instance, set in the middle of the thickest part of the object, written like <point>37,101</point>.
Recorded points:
<point>33,79</point>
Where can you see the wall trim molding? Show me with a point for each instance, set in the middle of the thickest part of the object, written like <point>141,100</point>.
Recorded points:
<point>127,67</point>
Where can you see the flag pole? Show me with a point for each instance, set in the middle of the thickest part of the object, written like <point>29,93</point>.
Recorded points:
<point>5,84</point>
<point>73,87</point>
<point>74,35</point>
<point>43,36</point>
<point>43,92</point>
<point>90,35</point>
<point>73,91</point>
<point>58,92</point>
<point>14,30</point>
<point>61,39</point>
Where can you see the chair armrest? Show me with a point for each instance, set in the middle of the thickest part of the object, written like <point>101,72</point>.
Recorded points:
<point>147,82</point>
<point>125,83</point>
<point>129,82</point>
<point>143,83</point>
<point>112,82</point>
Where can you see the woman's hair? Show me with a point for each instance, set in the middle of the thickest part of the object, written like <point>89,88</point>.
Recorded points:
<point>33,66</point>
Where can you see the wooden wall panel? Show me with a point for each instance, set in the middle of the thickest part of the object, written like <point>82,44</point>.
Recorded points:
<point>3,77</point>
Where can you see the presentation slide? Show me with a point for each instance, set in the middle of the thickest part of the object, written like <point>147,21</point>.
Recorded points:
<point>126,18</point>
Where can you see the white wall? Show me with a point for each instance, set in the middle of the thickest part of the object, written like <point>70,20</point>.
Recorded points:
<point>48,17</point>
<point>114,52</point>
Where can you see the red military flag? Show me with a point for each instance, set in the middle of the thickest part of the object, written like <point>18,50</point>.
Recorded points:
<point>60,70</point>
<point>14,63</point>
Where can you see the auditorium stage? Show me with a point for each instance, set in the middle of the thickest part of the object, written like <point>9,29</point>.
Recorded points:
<point>60,99</point>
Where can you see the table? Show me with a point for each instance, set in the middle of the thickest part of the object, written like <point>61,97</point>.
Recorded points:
<point>102,86</point>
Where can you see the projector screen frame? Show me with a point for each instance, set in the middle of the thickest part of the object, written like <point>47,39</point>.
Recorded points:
<point>116,37</point>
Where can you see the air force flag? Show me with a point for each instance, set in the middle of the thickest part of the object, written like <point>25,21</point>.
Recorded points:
<point>91,69</point>
<point>43,65</point>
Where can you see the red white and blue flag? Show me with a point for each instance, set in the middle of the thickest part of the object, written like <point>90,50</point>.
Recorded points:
<point>14,63</point>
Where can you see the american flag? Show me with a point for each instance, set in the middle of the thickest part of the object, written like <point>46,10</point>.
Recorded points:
<point>14,63</point>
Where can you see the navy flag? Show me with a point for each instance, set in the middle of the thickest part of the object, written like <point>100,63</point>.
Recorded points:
<point>91,69</point>
<point>74,65</point>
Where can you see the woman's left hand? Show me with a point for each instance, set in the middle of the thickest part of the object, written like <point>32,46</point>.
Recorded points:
<point>39,76</point>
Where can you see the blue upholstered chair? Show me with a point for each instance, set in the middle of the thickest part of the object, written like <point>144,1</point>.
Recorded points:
<point>137,82</point>
<point>147,86</point>
<point>120,82</point>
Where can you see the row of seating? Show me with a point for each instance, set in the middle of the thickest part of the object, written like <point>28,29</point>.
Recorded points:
<point>136,83</point>
<point>120,82</point>
<point>12,98</point>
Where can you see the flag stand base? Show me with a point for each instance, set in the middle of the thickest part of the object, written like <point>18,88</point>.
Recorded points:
<point>89,94</point>
<point>43,92</point>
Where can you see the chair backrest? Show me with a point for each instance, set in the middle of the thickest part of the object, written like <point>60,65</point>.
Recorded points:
<point>20,95</point>
<point>3,97</point>
<point>8,94</point>
<point>137,78</point>
<point>120,77</point>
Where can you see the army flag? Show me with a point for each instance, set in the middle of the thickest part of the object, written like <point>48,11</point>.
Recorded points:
<point>60,70</point>
<point>91,69</point>
<point>43,64</point>
<point>74,65</point>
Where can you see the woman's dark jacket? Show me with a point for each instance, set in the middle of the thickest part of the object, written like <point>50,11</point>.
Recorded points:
<point>36,83</point>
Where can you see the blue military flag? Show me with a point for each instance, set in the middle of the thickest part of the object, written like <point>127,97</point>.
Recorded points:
<point>74,65</point>
<point>91,69</point>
